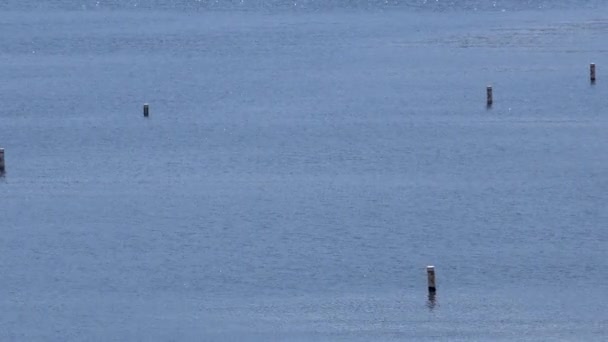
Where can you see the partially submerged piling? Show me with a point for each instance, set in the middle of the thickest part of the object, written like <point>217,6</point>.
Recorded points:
<point>2,166</point>
<point>489,97</point>
<point>430,273</point>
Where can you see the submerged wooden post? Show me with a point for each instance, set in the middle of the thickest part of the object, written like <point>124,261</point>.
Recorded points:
<point>1,161</point>
<point>146,110</point>
<point>489,98</point>
<point>430,272</point>
<point>592,72</point>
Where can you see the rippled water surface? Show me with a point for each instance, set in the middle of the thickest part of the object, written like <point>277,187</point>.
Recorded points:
<point>302,163</point>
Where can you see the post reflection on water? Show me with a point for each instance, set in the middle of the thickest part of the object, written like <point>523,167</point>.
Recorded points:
<point>431,302</point>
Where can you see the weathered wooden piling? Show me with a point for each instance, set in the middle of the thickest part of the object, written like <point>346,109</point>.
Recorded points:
<point>489,97</point>
<point>430,273</point>
<point>592,72</point>
<point>2,165</point>
<point>146,110</point>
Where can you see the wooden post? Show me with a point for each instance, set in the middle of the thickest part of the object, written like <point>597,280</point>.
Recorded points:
<point>146,110</point>
<point>430,272</point>
<point>489,98</point>
<point>592,72</point>
<point>2,169</point>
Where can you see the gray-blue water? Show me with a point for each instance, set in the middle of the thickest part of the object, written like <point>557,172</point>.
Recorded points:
<point>303,162</point>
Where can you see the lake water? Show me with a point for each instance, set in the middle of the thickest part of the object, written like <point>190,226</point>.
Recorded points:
<point>302,164</point>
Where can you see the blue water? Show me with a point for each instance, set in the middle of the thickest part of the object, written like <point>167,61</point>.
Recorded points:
<point>302,164</point>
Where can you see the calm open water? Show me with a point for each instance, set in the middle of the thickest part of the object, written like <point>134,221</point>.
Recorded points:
<point>302,163</point>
